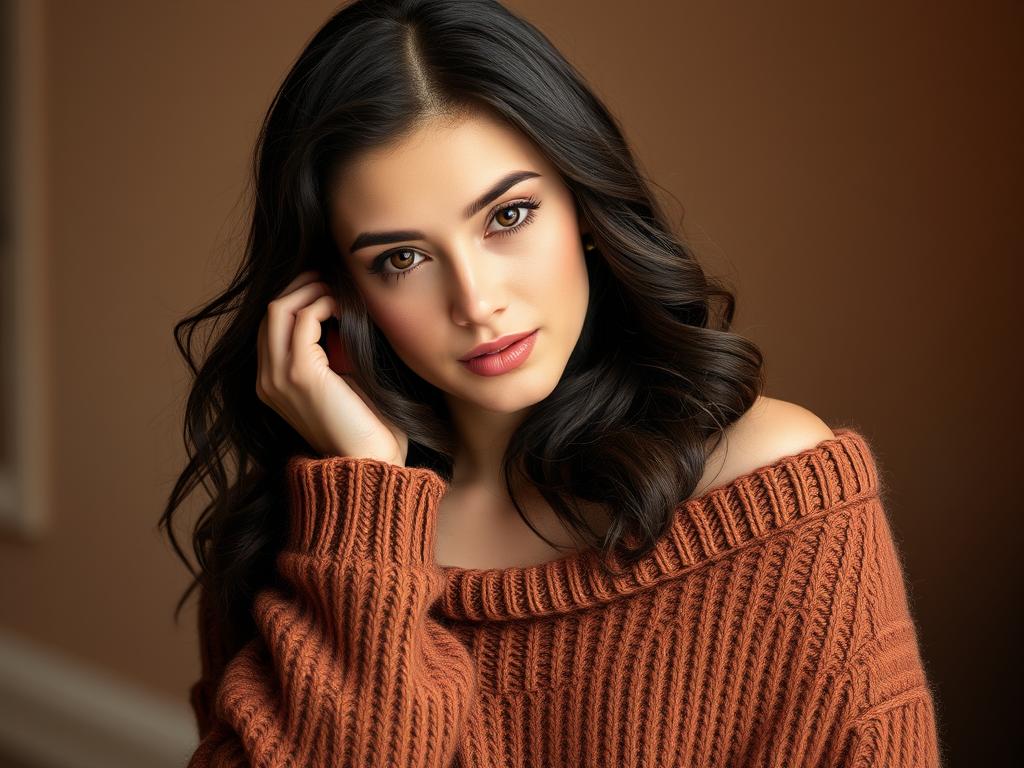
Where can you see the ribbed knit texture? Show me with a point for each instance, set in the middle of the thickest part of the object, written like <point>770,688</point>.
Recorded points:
<point>769,627</point>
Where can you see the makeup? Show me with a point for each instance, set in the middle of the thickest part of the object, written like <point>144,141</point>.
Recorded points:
<point>503,361</point>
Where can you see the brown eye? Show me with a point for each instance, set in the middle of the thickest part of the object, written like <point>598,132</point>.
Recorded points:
<point>392,263</point>
<point>505,220</point>
<point>400,263</point>
<point>510,217</point>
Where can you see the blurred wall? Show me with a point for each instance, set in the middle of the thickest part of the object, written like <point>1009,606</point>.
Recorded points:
<point>854,171</point>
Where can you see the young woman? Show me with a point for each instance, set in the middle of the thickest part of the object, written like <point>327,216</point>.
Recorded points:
<point>503,488</point>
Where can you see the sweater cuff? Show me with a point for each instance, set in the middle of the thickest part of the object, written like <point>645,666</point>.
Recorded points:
<point>344,507</point>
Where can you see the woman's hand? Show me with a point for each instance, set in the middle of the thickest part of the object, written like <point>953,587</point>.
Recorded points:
<point>314,394</point>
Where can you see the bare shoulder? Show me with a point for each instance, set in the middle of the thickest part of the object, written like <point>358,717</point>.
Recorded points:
<point>770,430</point>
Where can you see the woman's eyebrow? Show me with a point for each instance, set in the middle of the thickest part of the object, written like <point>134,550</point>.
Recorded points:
<point>506,182</point>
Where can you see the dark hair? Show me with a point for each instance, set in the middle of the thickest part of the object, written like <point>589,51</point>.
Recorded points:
<point>654,375</point>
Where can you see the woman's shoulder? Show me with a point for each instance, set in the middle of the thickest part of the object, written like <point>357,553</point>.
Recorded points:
<point>771,429</point>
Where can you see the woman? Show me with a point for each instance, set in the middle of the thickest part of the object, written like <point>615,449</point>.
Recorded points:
<point>518,351</point>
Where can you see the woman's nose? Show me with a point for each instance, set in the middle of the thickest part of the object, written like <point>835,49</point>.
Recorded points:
<point>474,286</point>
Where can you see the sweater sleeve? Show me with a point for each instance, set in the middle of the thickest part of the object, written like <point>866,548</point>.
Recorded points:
<point>349,667</point>
<point>899,733</point>
<point>892,721</point>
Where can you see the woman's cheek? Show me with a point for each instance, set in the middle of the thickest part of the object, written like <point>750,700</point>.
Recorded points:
<point>564,268</point>
<point>402,325</point>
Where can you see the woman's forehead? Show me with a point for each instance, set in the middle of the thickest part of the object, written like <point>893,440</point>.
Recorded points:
<point>437,169</point>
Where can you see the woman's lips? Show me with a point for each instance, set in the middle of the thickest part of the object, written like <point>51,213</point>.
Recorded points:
<point>494,346</point>
<point>503,361</point>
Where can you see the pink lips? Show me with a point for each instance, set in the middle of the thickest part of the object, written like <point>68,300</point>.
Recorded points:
<point>494,346</point>
<point>502,361</point>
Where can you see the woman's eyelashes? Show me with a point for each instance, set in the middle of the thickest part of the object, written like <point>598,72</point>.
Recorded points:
<point>530,204</point>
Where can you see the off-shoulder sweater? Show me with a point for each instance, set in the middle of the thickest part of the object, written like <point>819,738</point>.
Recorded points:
<point>770,626</point>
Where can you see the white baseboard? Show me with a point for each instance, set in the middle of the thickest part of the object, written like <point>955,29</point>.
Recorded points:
<point>60,713</point>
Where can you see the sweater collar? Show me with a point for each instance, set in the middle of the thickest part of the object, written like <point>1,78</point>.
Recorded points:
<point>837,471</point>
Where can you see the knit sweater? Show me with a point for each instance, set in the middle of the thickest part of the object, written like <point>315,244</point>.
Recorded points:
<point>770,626</point>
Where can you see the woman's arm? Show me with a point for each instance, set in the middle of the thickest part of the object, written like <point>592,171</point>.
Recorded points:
<point>899,733</point>
<point>348,667</point>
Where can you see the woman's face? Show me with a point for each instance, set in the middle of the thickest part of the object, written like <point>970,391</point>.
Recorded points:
<point>451,276</point>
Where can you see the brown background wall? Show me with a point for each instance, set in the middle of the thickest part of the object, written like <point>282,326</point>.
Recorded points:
<point>856,172</point>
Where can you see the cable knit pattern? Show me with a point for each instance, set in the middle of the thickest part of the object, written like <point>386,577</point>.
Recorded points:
<point>769,627</point>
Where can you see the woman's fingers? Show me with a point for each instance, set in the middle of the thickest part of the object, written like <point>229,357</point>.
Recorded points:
<point>297,380</point>
<point>281,315</point>
<point>306,331</point>
<point>273,336</point>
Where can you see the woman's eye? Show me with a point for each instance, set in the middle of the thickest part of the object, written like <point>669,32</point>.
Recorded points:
<point>401,261</point>
<point>503,218</point>
<point>508,217</point>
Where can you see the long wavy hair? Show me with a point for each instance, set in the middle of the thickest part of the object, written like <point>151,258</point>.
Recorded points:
<point>655,377</point>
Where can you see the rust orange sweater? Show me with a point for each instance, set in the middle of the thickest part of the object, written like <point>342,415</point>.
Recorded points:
<point>769,627</point>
